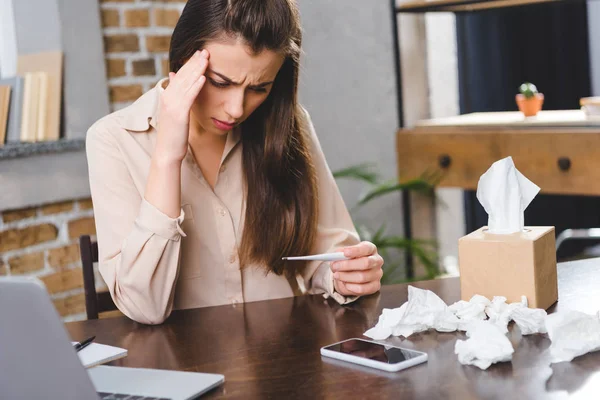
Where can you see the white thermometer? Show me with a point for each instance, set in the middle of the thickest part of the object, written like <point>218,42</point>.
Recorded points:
<point>339,256</point>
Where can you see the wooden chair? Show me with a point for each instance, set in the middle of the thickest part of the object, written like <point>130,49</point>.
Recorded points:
<point>95,302</point>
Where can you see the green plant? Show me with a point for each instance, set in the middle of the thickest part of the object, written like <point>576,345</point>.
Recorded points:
<point>528,90</point>
<point>425,251</point>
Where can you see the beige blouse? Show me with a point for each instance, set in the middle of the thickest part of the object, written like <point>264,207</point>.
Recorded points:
<point>153,263</point>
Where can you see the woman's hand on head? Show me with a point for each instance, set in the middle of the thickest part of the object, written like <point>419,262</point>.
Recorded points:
<point>175,105</point>
<point>361,274</point>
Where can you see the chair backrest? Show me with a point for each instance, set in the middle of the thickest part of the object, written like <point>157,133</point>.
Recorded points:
<point>95,302</point>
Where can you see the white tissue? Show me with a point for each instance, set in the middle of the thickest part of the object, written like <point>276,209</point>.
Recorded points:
<point>423,310</point>
<point>485,321</point>
<point>505,193</point>
<point>467,311</point>
<point>573,334</point>
<point>486,345</point>
<point>530,320</point>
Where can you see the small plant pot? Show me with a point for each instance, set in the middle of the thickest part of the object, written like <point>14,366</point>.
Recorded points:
<point>530,107</point>
<point>590,106</point>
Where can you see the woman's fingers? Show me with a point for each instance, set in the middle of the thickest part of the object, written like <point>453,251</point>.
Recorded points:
<point>191,71</point>
<point>361,275</point>
<point>176,103</point>
<point>185,85</point>
<point>357,289</point>
<point>199,68</point>
<point>358,264</point>
<point>362,249</point>
<point>366,276</point>
<point>196,88</point>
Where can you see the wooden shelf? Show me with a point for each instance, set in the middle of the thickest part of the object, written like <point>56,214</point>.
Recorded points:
<point>33,174</point>
<point>16,150</point>
<point>421,6</point>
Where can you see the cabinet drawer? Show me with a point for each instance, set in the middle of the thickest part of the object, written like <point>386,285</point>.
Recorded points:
<point>558,161</point>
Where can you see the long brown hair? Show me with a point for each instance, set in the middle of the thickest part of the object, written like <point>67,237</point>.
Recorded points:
<point>281,203</point>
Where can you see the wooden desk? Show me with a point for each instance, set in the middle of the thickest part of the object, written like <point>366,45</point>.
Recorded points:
<point>421,6</point>
<point>270,349</point>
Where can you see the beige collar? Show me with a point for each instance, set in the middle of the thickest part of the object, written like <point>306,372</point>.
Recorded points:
<point>143,112</point>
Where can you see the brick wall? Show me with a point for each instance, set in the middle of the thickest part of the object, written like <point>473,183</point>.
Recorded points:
<point>43,241</point>
<point>136,42</point>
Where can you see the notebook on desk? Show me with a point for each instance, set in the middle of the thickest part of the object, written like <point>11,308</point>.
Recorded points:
<point>96,354</point>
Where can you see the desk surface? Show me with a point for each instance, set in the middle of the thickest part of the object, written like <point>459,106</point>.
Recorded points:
<point>421,6</point>
<point>554,119</point>
<point>270,349</point>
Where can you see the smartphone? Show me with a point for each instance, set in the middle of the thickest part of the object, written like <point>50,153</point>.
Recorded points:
<point>375,355</point>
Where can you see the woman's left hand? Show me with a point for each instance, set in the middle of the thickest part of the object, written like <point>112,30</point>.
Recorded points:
<point>361,275</point>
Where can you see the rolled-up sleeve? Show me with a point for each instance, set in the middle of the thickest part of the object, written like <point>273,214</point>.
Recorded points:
<point>335,226</point>
<point>139,246</point>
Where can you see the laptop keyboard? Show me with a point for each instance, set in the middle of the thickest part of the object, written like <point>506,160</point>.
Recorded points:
<point>121,396</point>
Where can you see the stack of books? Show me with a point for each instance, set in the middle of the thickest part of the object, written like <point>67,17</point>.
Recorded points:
<point>30,102</point>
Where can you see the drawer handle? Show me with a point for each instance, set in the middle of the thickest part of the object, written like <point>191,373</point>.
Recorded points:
<point>564,163</point>
<point>444,160</point>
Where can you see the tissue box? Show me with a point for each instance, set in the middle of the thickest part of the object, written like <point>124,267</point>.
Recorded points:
<point>510,265</point>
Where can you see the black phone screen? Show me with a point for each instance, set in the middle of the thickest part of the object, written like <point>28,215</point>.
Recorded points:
<point>373,351</point>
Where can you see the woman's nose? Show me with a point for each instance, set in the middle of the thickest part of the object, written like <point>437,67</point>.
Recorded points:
<point>234,106</point>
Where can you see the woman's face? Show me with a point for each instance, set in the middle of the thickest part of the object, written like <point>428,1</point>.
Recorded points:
<point>237,82</point>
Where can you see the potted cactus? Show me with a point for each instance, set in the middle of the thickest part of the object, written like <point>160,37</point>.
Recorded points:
<point>529,100</point>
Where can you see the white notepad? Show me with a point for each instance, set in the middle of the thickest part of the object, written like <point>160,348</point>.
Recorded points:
<point>96,354</point>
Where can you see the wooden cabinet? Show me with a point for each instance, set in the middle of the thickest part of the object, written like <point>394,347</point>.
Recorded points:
<point>559,159</point>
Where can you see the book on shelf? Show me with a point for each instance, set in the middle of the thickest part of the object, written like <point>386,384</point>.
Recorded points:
<point>4,107</point>
<point>29,115</point>
<point>13,129</point>
<point>49,87</point>
<point>28,108</point>
<point>35,99</point>
<point>42,109</point>
<point>34,118</point>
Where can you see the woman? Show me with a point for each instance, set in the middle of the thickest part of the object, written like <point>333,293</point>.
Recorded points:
<point>204,183</point>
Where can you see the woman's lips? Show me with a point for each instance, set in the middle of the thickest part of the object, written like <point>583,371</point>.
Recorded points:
<point>225,126</point>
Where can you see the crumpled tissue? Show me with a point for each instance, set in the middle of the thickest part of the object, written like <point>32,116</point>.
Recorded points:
<point>573,334</point>
<point>529,320</point>
<point>425,310</point>
<point>486,345</point>
<point>467,311</point>
<point>505,193</point>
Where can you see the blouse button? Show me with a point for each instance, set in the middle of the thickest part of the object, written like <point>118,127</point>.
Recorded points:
<point>222,212</point>
<point>223,168</point>
<point>232,259</point>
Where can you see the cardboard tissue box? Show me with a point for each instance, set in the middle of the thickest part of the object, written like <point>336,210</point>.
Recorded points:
<point>505,258</point>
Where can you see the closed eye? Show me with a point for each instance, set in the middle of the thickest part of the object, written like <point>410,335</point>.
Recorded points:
<point>217,83</point>
<point>258,89</point>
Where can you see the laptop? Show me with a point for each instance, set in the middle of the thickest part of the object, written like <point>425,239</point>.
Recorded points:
<point>38,361</point>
